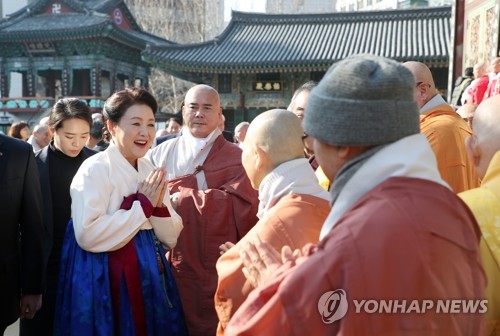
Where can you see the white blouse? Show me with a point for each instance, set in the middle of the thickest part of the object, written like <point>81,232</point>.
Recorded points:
<point>98,190</point>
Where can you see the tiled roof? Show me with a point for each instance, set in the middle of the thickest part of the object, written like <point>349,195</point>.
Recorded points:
<point>47,22</point>
<point>148,38</point>
<point>263,42</point>
<point>89,18</point>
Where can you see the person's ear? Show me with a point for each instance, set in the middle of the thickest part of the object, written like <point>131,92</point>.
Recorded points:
<point>343,151</point>
<point>263,163</point>
<point>51,132</point>
<point>183,110</point>
<point>111,127</point>
<point>473,150</point>
<point>259,157</point>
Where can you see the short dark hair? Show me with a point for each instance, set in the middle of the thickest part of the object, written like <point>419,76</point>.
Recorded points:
<point>308,87</point>
<point>116,105</point>
<point>177,120</point>
<point>469,72</point>
<point>69,108</point>
<point>97,128</point>
<point>16,127</point>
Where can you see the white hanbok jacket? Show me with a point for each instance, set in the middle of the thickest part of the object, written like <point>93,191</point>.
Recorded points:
<point>97,192</point>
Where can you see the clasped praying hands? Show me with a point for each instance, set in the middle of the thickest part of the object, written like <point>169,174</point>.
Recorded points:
<point>154,187</point>
<point>261,261</point>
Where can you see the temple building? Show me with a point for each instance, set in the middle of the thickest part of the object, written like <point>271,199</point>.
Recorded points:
<point>258,61</point>
<point>475,34</point>
<point>59,48</point>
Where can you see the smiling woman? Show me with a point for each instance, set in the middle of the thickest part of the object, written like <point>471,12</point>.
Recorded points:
<point>132,126</point>
<point>122,222</point>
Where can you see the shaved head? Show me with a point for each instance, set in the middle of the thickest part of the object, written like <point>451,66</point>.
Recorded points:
<point>202,89</point>
<point>274,137</point>
<point>425,89</point>
<point>201,111</point>
<point>421,72</point>
<point>486,140</point>
<point>487,122</point>
<point>279,134</point>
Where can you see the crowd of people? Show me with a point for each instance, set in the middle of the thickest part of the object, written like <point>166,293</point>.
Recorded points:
<point>369,187</point>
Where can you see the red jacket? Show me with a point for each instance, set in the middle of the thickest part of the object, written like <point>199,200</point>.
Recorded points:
<point>224,212</point>
<point>406,239</point>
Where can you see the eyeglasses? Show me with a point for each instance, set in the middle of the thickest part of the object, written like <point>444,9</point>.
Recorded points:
<point>304,136</point>
<point>420,83</point>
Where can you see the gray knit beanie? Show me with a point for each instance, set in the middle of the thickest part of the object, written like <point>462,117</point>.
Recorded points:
<point>363,100</point>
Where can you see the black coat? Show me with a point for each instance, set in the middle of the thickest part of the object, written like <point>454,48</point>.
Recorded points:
<point>54,231</point>
<point>22,251</point>
<point>42,161</point>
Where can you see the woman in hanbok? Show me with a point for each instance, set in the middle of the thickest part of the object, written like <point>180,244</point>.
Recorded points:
<point>69,125</point>
<point>114,278</point>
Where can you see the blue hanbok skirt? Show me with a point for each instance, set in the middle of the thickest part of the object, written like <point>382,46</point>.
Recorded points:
<point>84,299</point>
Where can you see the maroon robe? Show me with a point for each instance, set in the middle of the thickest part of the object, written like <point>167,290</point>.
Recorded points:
<point>226,211</point>
<point>406,239</point>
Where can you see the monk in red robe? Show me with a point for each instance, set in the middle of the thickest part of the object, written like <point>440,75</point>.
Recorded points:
<point>212,193</point>
<point>398,248</point>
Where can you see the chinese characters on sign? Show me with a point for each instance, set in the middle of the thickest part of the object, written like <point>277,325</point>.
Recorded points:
<point>34,47</point>
<point>267,86</point>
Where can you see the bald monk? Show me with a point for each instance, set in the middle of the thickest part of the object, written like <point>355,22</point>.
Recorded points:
<point>214,197</point>
<point>467,111</point>
<point>484,150</point>
<point>445,130</point>
<point>292,207</point>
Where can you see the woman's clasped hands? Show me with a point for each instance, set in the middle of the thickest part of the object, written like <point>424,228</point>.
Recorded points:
<point>154,187</point>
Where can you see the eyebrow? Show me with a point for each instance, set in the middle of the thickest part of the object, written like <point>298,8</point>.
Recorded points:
<point>206,104</point>
<point>152,119</point>
<point>69,133</point>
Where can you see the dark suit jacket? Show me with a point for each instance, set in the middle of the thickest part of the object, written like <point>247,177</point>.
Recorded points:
<point>21,241</point>
<point>164,138</point>
<point>42,161</point>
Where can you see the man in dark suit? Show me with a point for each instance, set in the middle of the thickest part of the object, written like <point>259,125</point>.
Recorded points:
<point>21,242</point>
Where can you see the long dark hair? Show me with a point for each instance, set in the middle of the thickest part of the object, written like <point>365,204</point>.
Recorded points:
<point>116,105</point>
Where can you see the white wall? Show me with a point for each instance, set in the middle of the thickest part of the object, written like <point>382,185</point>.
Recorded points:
<point>8,7</point>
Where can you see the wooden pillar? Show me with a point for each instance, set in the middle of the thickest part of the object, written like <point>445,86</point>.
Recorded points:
<point>65,79</point>
<point>30,78</point>
<point>4,81</point>
<point>95,80</point>
<point>112,81</point>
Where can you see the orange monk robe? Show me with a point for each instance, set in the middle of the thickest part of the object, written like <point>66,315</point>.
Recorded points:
<point>391,244</point>
<point>446,132</point>
<point>294,221</point>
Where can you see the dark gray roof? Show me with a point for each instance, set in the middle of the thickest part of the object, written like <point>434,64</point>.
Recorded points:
<point>150,39</point>
<point>50,22</point>
<point>88,19</point>
<point>263,42</point>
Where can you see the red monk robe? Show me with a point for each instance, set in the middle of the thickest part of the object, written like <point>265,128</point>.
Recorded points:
<point>392,244</point>
<point>226,211</point>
